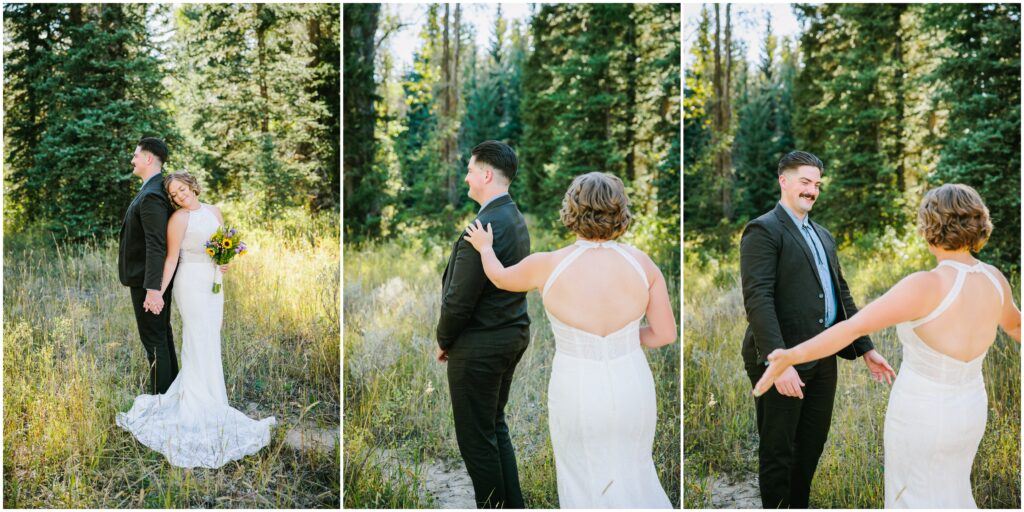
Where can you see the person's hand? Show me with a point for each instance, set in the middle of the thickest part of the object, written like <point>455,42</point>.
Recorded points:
<point>442,355</point>
<point>154,302</point>
<point>879,367</point>
<point>787,380</point>
<point>223,268</point>
<point>478,236</point>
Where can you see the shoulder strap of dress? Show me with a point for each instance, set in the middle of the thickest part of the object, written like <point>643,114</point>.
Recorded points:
<point>977,268</point>
<point>961,275</point>
<point>993,280</point>
<point>947,300</point>
<point>561,266</point>
<point>633,262</point>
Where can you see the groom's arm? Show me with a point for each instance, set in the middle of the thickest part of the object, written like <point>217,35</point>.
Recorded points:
<point>154,215</point>
<point>460,299</point>
<point>759,261</point>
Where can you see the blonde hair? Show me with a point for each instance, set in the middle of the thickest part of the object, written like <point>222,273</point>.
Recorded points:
<point>185,178</point>
<point>954,217</point>
<point>596,207</point>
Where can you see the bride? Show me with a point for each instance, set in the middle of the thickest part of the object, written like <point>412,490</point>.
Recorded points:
<point>946,319</point>
<point>192,424</point>
<point>601,400</point>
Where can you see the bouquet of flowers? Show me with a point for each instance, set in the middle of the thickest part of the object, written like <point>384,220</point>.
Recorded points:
<point>223,246</point>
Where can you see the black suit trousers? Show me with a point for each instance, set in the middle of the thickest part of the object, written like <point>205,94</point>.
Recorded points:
<point>157,337</point>
<point>793,434</point>
<point>479,387</point>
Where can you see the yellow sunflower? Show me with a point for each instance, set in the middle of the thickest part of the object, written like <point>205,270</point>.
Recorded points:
<point>210,251</point>
<point>226,243</point>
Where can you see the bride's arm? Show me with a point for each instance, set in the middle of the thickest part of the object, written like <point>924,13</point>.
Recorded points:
<point>901,303</point>
<point>1010,319</point>
<point>176,226</point>
<point>661,321</point>
<point>521,277</point>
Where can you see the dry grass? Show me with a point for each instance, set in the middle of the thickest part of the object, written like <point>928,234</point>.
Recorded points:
<point>720,432</point>
<point>72,359</point>
<point>396,394</point>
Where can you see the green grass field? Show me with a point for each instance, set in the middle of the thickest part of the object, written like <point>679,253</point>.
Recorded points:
<point>720,436</point>
<point>72,359</point>
<point>398,420</point>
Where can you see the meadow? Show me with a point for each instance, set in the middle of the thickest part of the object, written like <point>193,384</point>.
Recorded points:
<point>72,359</point>
<point>398,430</point>
<point>720,434</point>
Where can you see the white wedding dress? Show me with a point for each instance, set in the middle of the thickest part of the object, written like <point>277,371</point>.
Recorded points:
<point>936,416</point>
<point>602,411</point>
<point>192,424</point>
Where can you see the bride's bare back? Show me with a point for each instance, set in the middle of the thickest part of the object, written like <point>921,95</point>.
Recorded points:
<point>967,327</point>
<point>600,292</point>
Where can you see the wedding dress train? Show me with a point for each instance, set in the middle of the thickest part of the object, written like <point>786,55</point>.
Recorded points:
<point>192,424</point>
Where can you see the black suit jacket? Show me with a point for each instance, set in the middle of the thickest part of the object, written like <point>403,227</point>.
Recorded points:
<point>476,317</point>
<point>782,291</point>
<point>143,247</point>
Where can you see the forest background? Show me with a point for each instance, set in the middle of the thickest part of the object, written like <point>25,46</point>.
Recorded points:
<point>246,96</point>
<point>573,88</point>
<point>895,99</point>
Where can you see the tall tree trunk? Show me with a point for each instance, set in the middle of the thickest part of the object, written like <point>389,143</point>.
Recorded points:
<point>360,22</point>
<point>630,117</point>
<point>898,70</point>
<point>450,63</point>
<point>726,152</point>
<point>446,103</point>
<point>722,111</point>
<point>261,48</point>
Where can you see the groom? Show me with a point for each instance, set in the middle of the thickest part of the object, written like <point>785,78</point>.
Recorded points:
<point>483,331</point>
<point>140,262</point>
<point>794,289</point>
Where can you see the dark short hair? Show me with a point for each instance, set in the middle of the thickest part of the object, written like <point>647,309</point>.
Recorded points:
<point>155,146</point>
<point>499,155</point>
<point>795,159</point>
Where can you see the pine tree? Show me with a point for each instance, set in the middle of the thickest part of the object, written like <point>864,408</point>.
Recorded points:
<point>104,92</point>
<point>323,137</point>
<point>697,173</point>
<point>361,183</point>
<point>35,33</point>
<point>854,49</point>
<point>248,84</point>
<point>538,115</point>
<point>764,129</point>
<point>981,89</point>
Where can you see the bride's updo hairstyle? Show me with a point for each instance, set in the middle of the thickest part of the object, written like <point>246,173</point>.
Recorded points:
<point>184,177</point>
<point>596,207</point>
<point>954,217</point>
